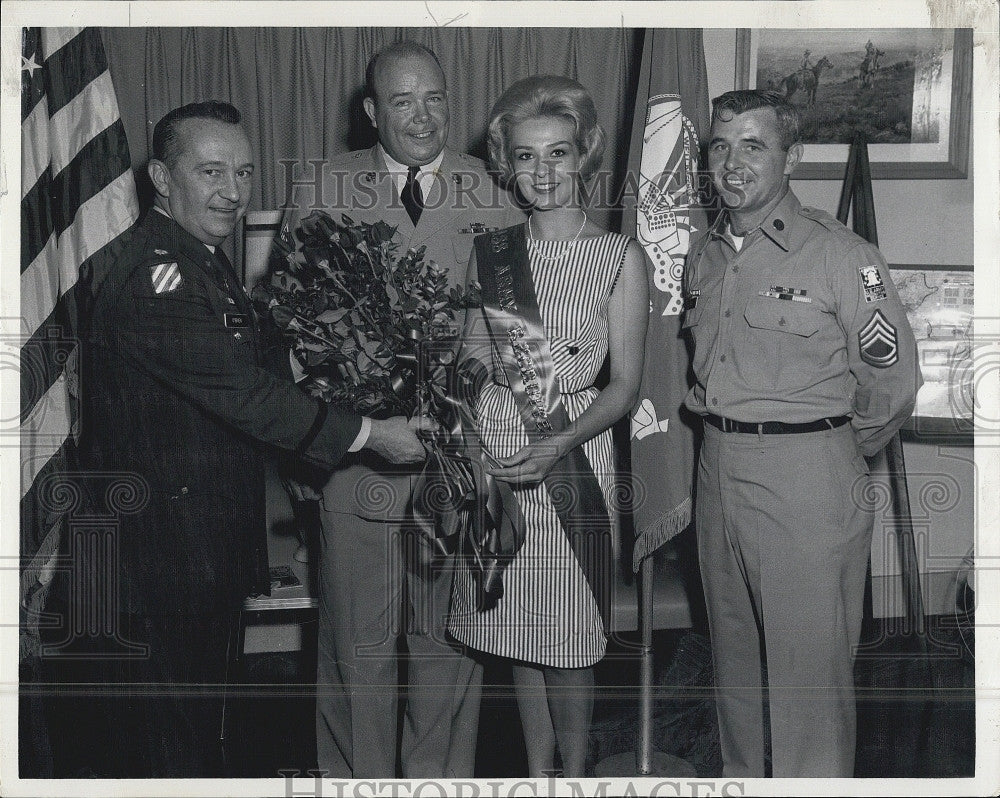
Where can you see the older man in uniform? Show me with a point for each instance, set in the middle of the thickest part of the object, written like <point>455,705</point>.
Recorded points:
<point>181,402</point>
<point>438,199</point>
<point>804,364</point>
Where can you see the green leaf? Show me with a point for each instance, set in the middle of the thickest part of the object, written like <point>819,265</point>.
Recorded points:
<point>332,316</point>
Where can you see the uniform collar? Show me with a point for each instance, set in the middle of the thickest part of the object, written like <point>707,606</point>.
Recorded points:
<point>166,213</point>
<point>777,225</point>
<point>395,168</point>
<point>174,238</point>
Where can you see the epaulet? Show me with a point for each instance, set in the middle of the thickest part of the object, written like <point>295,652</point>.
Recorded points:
<point>158,255</point>
<point>348,157</point>
<point>821,217</point>
<point>471,160</point>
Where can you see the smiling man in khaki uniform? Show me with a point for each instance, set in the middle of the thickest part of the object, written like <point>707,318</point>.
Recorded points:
<point>804,362</point>
<point>370,601</point>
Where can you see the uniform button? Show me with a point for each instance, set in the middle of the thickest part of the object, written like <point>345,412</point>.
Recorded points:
<point>728,313</point>
<point>238,336</point>
<point>722,358</point>
<point>778,224</point>
<point>736,269</point>
<point>573,349</point>
<point>782,322</point>
<point>715,401</point>
<point>184,490</point>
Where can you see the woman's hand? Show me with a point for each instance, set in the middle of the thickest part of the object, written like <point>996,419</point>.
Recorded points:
<point>528,466</point>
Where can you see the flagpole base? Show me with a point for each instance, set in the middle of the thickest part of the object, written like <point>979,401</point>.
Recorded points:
<point>662,765</point>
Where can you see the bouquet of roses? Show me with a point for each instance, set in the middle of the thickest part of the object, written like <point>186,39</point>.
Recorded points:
<point>373,330</point>
<point>376,332</point>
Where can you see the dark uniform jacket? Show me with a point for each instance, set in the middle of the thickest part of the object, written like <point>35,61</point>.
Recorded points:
<point>180,398</point>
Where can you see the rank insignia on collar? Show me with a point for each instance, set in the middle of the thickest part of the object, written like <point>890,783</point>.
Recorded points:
<point>879,342</point>
<point>871,281</point>
<point>166,277</point>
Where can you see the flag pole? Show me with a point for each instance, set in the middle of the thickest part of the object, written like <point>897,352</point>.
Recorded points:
<point>645,760</point>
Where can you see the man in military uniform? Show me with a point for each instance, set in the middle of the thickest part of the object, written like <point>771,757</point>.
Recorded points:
<point>438,199</point>
<point>181,399</point>
<point>804,363</point>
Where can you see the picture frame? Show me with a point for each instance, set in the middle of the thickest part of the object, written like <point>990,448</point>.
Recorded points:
<point>940,306</point>
<point>909,90</point>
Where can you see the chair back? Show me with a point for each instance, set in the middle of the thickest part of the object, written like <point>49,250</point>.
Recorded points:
<point>259,230</point>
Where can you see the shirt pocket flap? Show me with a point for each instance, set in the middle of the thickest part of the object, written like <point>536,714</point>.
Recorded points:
<point>782,315</point>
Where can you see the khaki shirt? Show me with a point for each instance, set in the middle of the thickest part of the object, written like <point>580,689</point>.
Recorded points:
<point>802,323</point>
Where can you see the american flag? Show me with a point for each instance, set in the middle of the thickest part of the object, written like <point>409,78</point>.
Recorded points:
<point>77,197</point>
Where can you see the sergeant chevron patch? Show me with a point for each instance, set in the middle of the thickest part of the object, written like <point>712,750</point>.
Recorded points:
<point>878,341</point>
<point>166,277</point>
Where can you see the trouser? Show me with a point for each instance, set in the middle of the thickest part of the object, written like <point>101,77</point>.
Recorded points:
<point>371,598</point>
<point>784,543</point>
<point>116,712</point>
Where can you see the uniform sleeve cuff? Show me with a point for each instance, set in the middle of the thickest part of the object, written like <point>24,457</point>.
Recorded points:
<point>363,433</point>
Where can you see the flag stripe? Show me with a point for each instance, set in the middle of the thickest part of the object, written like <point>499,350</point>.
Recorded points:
<point>32,80</point>
<point>54,39</point>
<point>36,512</point>
<point>99,162</point>
<point>71,67</point>
<point>36,219</point>
<point>44,354</point>
<point>44,430</point>
<point>90,113</point>
<point>34,159</point>
<point>98,221</point>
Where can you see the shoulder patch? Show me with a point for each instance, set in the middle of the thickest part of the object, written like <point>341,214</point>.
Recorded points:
<point>166,277</point>
<point>871,281</point>
<point>879,342</point>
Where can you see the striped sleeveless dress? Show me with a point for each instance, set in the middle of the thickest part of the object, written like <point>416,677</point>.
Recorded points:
<point>548,614</point>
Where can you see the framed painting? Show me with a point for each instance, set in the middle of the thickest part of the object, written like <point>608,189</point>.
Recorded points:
<point>939,302</point>
<point>908,89</point>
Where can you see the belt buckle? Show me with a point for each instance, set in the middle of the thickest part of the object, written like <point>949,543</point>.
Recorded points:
<point>728,425</point>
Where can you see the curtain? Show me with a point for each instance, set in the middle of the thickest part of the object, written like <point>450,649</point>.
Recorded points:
<point>300,89</point>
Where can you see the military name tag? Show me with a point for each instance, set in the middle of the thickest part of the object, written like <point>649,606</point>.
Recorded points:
<point>237,320</point>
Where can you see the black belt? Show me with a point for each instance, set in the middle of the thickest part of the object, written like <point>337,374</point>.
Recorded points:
<point>774,427</point>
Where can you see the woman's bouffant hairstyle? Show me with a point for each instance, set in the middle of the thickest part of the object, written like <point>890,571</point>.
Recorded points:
<point>540,96</point>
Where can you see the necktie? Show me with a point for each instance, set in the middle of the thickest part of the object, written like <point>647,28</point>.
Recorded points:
<point>413,196</point>
<point>235,286</point>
